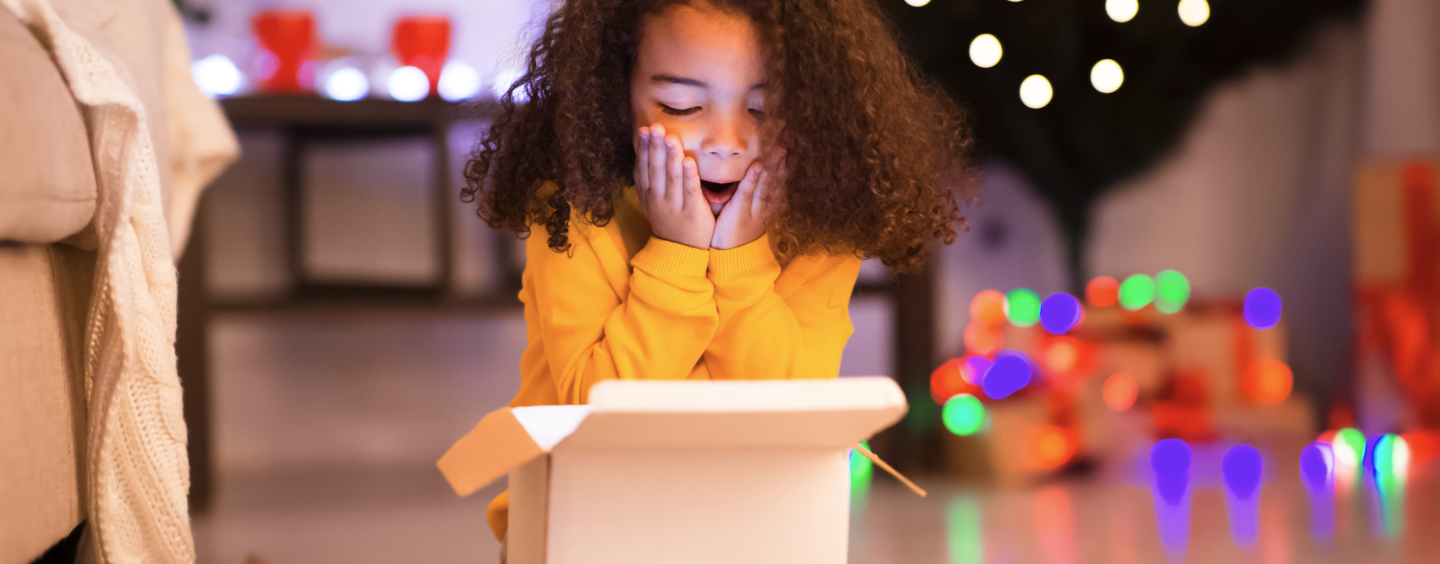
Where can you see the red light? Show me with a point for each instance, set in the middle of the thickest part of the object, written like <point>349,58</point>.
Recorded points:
<point>1054,446</point>
<point>1102,291</point>
<point>1062,355</point>
<point>1120,391</point>
<point>287,49</point>
<point>946,381</point>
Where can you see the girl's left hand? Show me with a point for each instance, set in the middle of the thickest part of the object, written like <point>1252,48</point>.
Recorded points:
<point>743,218</point>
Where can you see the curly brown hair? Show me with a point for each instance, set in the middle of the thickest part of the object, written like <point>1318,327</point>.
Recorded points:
<point>876,154</point>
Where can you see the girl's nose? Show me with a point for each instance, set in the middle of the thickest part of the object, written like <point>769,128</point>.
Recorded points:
<point>727,139</point>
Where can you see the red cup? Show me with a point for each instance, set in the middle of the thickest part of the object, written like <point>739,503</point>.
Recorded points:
<point>286,61</point>
<point>422,42</point>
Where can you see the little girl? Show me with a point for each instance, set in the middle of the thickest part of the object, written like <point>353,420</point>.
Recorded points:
<point>707,175</point>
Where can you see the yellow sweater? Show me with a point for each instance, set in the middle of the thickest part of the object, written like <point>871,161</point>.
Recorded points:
<point>623,304</point>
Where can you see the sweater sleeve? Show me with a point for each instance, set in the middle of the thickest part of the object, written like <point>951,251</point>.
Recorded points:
<point>591,334</point>
<point>764,335</point>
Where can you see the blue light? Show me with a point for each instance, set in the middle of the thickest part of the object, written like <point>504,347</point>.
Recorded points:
<point>1059,313</point>
<point>1170,459</point>
<point>1262,308</point>
<point>1242,466</point>
<point>1009,374</point>
<point>1317,465</point>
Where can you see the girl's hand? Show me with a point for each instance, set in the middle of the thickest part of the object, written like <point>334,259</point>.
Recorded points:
<point>669,187</point>
<point>743,218</point>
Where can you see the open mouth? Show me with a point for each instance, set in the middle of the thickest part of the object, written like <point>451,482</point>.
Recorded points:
<point>718,193</point>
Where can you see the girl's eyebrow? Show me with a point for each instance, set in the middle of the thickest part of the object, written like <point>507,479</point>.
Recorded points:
<point>671,79</point>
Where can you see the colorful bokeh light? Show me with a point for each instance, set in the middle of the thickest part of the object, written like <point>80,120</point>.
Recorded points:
<point>1010,373</point>
<point>1120,391</point>
<point>1137,291</point>
<point>963,415</point>
<point>1262,308</point>
<point>1170,460</point>
<point>1349,446</point>
<point>1242,467</point>
<point>861,469</point>
<point>1062,355</point>
<point>988,307</point>
<point>1102,291</point>
<point>1022,307</point>
<point>1054,446</point>
<point>973,371</point>
<point>947,380</point>
<point>1317,465</point>
<point>1059,313</point>
<point>1272,380</point>
<point>1172,291</point>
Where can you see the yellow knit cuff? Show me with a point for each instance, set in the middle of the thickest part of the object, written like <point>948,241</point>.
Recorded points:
<point>747,257</point>
<point>668,257</point>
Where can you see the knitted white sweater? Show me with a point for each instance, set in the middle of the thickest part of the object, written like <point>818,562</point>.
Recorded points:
<point>135,464</point>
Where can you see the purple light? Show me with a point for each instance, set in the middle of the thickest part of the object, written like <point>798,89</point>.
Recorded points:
<point>1059,313</point>
<point>1170,459</point>
<point>1242,466</point>
<point>975,368</point>
<point>1009,374</point>
<point>1262,308</point>
<point>1317,464</point>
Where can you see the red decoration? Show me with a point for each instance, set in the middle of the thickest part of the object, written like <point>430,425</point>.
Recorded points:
<point>286,61</point>
<point>422,42</point>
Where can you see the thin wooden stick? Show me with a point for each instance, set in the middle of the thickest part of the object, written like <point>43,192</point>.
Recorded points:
<point>881,463</point>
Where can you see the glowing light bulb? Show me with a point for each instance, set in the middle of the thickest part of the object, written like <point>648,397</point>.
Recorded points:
<point>1172,291</point>
<point>988,307</point>
<point>1349,447</point>
<point>917,3</point>
<point>973,371</point>
<point>1262,308</point>
<point>1137,291</point>
<point>1317,464</point>
<point>347,85</point>
<point>983,338</point>
<point>1102,291</point>
<point>947,380</point>
<point>1106,76</point>
<point>1194,12</point>
<point>1122,10</point>
<point>964,415</point>
<point>409,84</point>
<point>1022,307</point>
<point>1120,391</point>
<point>1010,373</point>
<point>1059,313</point>
<point>1242,466</point>
<point>458,81</point>
<point>1053,446</point>
<point>1272,380</point>
<point>1035,92</point>
<point>216,75</point>
<point>505,80</point>
<point>985,51</point>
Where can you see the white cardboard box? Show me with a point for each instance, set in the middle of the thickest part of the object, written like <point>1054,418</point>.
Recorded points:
<point>669,472</point>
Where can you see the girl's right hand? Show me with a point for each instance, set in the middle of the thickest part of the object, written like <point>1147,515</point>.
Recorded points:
<point>669,187</point>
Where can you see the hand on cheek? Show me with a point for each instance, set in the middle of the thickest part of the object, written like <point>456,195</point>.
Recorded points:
<point>668,183</point>
<point>743,218</point>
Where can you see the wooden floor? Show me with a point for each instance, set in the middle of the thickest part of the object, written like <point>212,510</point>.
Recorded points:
<point>327,427</point>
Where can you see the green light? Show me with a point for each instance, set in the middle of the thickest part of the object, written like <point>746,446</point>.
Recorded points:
<point>965,531</point>
<point>1384,455</point>
<point>1137,291</point>
<point>1022,307</point>
<point>1355,440</point>
<point>1172,291</point>
<point>861,469</point>
<point>963,415</point>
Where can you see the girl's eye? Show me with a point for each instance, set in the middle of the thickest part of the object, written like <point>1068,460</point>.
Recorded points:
<point>674,112</point>
<point>759,114</point>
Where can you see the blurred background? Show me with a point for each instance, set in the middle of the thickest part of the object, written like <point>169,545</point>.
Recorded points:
<point>1193,319</point>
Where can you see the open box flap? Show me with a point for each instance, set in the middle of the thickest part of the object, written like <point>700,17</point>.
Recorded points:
<point>505,439</point>
<point>738,414</point>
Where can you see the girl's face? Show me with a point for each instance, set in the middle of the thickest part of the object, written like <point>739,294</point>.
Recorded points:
<point>699,71</point>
